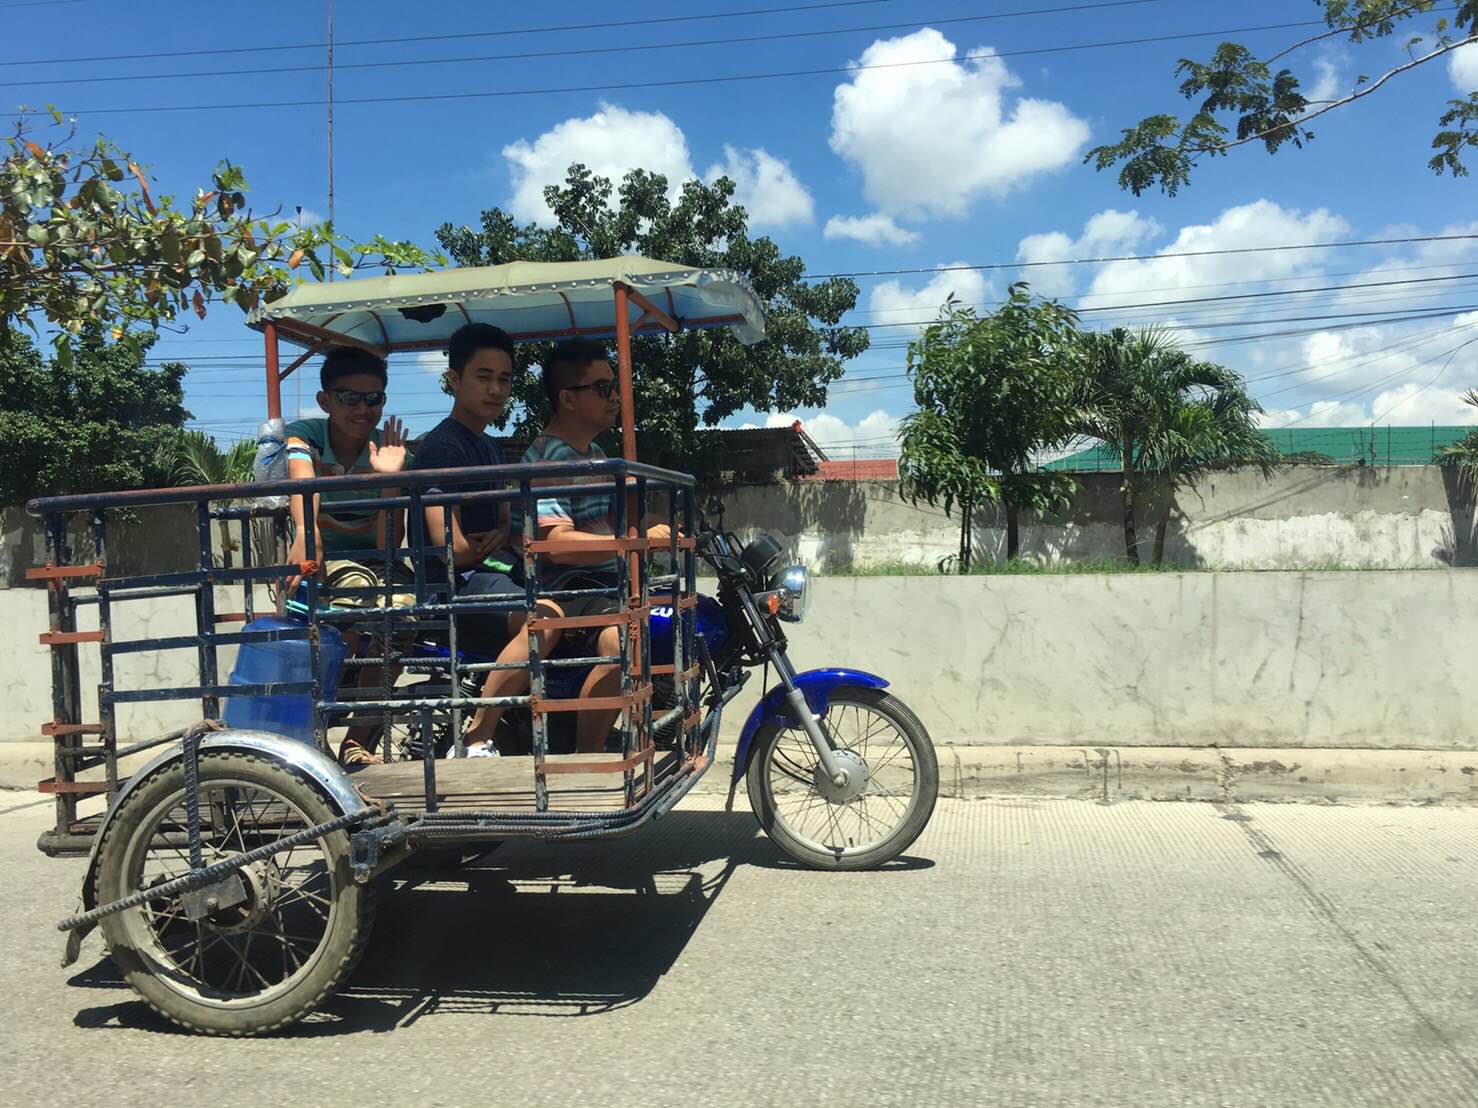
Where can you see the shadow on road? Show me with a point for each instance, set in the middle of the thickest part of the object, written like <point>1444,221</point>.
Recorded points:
<point>530,930</point>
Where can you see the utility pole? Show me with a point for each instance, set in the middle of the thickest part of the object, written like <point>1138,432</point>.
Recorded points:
<point>332,264</point>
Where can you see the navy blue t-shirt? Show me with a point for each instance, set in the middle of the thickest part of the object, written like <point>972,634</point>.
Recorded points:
<point>451,445</point>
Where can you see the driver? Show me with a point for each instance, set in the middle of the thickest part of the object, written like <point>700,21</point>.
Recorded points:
<point>581,388</point>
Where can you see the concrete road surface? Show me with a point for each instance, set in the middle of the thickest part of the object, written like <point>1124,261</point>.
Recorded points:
<point>1028,952</point>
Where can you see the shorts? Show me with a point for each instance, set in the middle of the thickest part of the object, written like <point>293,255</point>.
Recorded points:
<point>344,574</point>
<point>581,642</point>
<point>341,573</point>
<point>486,632</point>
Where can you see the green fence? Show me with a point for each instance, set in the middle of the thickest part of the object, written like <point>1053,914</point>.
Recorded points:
<point>1374,446</point>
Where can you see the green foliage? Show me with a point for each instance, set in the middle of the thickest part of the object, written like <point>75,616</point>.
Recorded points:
<point>1165,413</point>
<point>100,422</point>
<point>199,460</point>
<point>689,382</point>
<point>990,392</point>
<point>1244,99</point>
<point>85,241</point>
<point>1463,455</point>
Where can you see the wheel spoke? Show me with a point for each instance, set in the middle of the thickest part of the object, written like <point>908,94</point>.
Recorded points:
<point>256,946</point>
<point>882,744</point>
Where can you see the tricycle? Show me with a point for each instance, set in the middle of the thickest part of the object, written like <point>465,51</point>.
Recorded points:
<point>234,875</point>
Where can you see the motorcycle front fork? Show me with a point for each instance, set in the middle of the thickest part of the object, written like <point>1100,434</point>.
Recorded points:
<point>812,724</point>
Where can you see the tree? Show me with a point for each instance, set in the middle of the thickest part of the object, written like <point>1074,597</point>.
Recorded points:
<point>990,392</point>
<point>99,422</point>
<point>1162,412</point>
<point>84,241</point>
<point>1463,454</point>
<point>693,380</point>
<point>1213,429</point>
<point>199,460</point>
<point>1244,99</point>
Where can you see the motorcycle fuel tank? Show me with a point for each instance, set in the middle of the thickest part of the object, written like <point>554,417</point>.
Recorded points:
<point>712,625</point>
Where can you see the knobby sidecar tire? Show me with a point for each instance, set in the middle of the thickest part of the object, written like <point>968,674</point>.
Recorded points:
<point>926,767</point>
<point>332,961</point>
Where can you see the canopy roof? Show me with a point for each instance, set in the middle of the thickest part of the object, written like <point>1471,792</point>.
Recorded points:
<point>529,300</point>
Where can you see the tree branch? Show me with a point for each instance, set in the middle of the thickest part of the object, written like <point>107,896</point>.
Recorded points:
<point>1358,94</point>
<point>1400,13</point>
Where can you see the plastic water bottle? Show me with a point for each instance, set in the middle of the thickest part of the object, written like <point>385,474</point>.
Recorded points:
<point>271,460</point>
<point>279,661</point>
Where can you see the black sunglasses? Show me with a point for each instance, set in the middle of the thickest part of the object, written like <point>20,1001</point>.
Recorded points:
<point>603,388</point>
<point>352,399</point>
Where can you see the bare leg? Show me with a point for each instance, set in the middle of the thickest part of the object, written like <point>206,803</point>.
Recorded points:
<point>592,727</point>
<point>511,682</point>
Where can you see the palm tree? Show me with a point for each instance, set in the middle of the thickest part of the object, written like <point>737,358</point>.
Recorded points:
<point>199,460</point>
<point>1163,412</point>
<point>1464,453</point>
<point>1212,426</point>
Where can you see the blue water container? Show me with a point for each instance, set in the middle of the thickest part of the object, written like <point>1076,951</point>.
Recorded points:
<point>265,663</point>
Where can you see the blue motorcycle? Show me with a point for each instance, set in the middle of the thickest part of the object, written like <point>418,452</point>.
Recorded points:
<point>840,773</point>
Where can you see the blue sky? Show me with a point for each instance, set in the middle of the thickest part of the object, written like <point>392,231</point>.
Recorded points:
<point>930,163</point>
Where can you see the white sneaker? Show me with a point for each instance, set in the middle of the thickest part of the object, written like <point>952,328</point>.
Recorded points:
<point>482,750</point>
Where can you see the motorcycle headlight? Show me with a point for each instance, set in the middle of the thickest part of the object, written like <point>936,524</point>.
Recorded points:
<point>794,594</point>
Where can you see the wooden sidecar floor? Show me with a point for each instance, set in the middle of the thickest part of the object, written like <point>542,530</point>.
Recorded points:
<point>505,784</point>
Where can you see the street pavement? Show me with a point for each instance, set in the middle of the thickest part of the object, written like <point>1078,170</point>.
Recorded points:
<point>1026,952</point>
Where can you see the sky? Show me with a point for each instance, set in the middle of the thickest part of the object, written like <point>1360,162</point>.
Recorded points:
<point>876,135</point>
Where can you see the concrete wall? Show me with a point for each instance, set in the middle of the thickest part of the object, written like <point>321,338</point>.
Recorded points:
<point>1351,660</point>
<point>1403,517</point>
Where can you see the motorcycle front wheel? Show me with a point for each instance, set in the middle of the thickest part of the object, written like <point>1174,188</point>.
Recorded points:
<point>866,825</point>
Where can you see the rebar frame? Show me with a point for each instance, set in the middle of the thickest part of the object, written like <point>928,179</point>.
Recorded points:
<point>628,484</point>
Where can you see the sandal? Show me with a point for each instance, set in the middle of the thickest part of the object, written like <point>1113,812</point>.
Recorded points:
<point>353,754</point>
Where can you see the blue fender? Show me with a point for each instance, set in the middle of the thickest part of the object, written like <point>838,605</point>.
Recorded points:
<point>818,685</point>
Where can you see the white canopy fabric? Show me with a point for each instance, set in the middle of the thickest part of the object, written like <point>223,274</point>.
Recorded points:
<point>529,300</point>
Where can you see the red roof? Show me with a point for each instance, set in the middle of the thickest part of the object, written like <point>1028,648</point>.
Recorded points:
<point>864,469</point>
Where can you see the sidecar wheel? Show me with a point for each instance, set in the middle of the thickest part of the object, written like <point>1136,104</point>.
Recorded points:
<point>875,731</point>
<point>263,961</point>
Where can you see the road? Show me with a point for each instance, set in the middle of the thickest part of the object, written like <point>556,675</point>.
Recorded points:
<point>1028,952</point>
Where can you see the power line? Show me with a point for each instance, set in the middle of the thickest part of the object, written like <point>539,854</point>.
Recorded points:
<point>738,40</point>
<point>1448,309</point>
<point>681,82</point>
<point>400,39</point>
<point>1283,247</point>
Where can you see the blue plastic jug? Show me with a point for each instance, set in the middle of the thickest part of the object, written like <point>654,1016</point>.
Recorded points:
<point>264,663</point>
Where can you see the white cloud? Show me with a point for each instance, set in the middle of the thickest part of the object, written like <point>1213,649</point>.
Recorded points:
<point>1383,375</point>
<point>611,142</point>
<point>432,363</point>
<point>876,229</point>
<point>1329,80</point>
<point>765,186</point>
<point>930,139</point>
<point>873,436</point>
<point>1107,233</point>
<point>892,303</point>
<point>1261,223</point>
<point>1462,67</point>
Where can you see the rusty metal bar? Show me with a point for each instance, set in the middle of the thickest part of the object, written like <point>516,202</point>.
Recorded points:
<point>51,572</point>
<point>653,312</point>
<point>274,381</point>
<point>107,713</point>
<point>65,638</point>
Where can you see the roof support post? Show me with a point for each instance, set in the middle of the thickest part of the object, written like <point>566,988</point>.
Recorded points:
<point>274,382</point>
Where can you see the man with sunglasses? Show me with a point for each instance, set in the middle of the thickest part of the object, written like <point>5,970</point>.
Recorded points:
<point>348,442</point>
<point>581,388</point>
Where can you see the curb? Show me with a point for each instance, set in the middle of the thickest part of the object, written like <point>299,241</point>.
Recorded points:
<point>1100,773</point>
